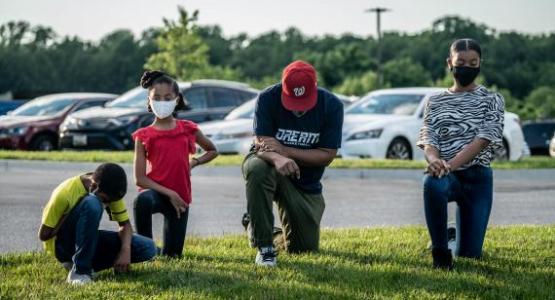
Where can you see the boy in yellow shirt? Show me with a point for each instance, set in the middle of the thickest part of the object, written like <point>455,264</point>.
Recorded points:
<point>70,223</point>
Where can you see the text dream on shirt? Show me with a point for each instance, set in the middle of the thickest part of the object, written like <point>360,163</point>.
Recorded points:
<point>297,138</point>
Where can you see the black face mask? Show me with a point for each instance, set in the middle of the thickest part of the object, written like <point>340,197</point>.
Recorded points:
<point>465,75</point>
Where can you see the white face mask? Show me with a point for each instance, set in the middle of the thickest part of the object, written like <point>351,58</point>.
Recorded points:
<point>163,109</point>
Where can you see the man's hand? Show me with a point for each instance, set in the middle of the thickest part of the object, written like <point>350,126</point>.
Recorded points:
<point>268,144</point>
<point>287,167</point>
<point>438,168</point>
<point>121,265</point>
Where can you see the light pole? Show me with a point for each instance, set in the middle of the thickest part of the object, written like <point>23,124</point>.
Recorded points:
<point>379,11</point>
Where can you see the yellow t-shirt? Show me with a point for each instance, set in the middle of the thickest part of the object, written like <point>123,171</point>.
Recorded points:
<point>64,198</point>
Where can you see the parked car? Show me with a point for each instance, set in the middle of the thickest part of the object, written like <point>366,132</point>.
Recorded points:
<point>9,105</point>
<point>234,133</point>
<point>110,127</point>
<point>552,146</point>
<point>386,124</point>
<point>347,100</point>
<point>538,135</point>
<point>34,125</point>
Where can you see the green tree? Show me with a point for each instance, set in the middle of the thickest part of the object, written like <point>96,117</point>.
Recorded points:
<point>405,73</point>
<point>358,85</point>
<point>183,53</point>
<point>542,101</point>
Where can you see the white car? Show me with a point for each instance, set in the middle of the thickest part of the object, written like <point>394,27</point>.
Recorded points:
<point>234,134</point>
<point>386,124</point>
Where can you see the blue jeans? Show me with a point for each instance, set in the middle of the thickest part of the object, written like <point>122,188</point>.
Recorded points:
<point>149,202</point>
<point>472,190</point>
<point>80,241</point>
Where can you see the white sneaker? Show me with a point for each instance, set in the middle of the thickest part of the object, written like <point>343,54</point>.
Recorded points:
<point>266,257</point>
<point>78,279</point>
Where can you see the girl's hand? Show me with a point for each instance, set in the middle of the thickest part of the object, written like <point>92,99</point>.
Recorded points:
<point>177,203</point>
<point>438,168</point>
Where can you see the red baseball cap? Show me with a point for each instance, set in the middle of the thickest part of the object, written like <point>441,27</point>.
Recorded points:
<point>299,90</point>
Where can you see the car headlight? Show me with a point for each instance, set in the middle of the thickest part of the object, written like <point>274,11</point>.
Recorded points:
<point>367,134</point>
<point>122,121</point>
<point>15,131</point>
<point>69,123</point>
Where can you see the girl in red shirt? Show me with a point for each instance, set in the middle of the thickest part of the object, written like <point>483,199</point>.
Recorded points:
<point>162,165</point>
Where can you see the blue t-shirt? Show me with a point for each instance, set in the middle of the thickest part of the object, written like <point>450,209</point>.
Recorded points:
<point>319,127</point>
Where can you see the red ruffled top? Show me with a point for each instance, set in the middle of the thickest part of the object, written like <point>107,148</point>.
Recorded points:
<point>167,155</point>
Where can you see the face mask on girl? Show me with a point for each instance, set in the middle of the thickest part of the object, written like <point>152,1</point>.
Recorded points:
<point>163,109</point>
<point>465,75</point>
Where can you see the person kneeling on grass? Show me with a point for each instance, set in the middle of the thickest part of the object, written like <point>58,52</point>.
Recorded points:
<point>70,223</point>
<point>462,127</point>
<point>298,131</point>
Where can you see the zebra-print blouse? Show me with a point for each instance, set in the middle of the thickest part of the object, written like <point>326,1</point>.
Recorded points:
<point>454,120</point>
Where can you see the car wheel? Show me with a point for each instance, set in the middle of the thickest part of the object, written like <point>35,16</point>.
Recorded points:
<point>502,152</point>
<point>399,149</point>
<point>43,143</point>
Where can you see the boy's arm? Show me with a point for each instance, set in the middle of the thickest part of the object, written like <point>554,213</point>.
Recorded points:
<point>53,217</point>
<point>46,232</point>
<point>122,262</point>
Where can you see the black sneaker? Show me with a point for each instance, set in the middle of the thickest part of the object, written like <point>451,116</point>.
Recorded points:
<point>443,259</point>
<point>245,220</point>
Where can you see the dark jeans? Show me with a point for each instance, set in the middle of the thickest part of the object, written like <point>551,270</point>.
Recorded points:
<point>149,202</point>
<point>472,190</point>
<point>80,241</point>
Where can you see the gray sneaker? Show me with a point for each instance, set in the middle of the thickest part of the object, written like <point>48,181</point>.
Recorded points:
<point>266,257</point>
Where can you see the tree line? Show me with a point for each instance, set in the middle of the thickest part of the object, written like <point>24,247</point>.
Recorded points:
<point>34,60</point>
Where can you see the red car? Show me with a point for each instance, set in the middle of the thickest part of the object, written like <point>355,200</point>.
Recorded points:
<point>34,125</point>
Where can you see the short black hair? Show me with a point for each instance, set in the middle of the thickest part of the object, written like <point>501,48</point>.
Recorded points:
<point>150,78</point>
<point>111,180</point>
<point>465,45</point>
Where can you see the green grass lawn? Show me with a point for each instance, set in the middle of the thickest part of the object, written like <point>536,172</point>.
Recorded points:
<point>235,160</point>
<point>383,263</point>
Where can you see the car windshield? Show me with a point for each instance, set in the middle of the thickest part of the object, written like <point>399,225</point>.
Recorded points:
<point>135,98</point>
<point>389,104</point>
<point>244,111</point>
<point>46,106</point>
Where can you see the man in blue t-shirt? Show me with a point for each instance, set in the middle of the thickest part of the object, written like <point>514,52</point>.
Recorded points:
<point>297,133</point>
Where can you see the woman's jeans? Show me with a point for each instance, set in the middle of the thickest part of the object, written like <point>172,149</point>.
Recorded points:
<point>472,190</point>
<point>149,202</point>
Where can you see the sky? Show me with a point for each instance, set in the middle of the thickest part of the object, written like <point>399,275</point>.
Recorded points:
<point>93,19</point>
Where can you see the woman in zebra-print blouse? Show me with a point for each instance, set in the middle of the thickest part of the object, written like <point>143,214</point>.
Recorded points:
<point>462,126</point>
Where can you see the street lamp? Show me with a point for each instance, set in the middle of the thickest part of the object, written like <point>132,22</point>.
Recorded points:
<point>379,11</point>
